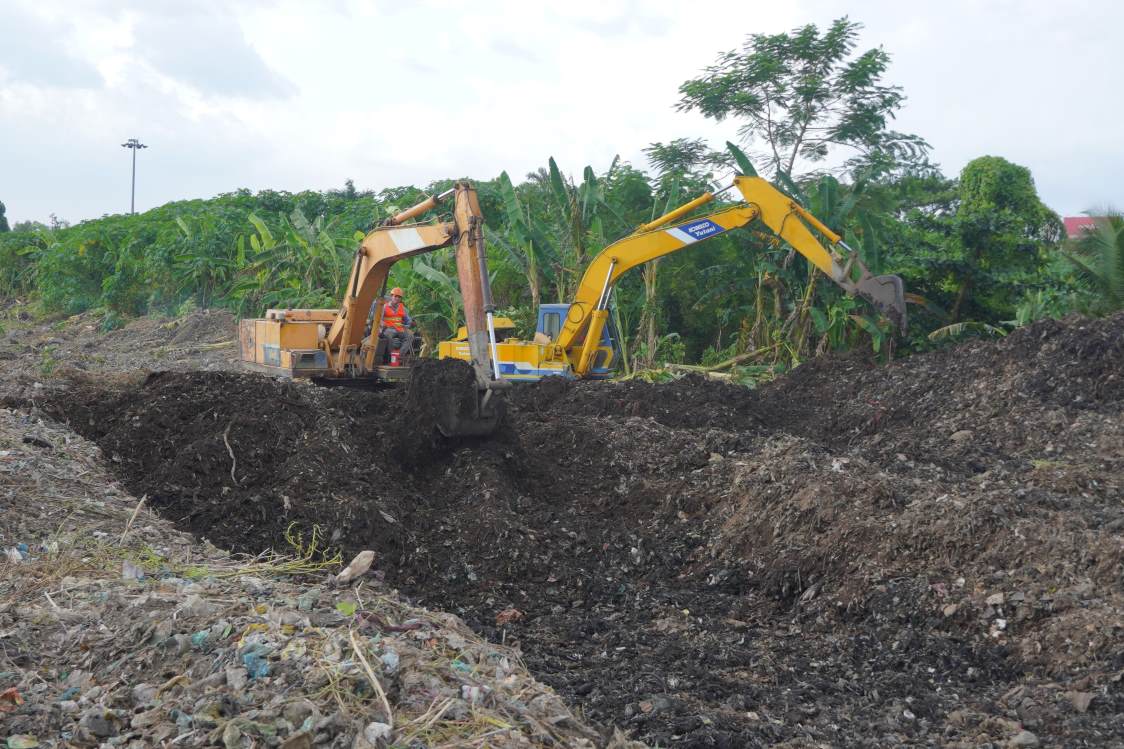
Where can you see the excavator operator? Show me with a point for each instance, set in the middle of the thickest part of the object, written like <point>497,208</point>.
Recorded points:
<point>394,324</point>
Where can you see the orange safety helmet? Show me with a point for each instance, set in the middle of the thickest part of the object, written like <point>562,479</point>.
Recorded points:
<point>396,291</point>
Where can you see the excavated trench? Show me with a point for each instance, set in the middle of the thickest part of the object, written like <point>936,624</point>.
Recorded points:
<point>699,564</point>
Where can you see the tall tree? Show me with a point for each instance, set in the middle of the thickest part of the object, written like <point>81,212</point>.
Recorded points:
<point>803,93</point>
<point>1002,233</point>
<point>3,219</point>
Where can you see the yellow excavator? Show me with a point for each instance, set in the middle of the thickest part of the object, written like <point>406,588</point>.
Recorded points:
<point>343,346</point>
<point>578,339</point>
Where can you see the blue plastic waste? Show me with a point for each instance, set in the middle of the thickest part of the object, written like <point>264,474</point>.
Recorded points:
<point>254,661</point>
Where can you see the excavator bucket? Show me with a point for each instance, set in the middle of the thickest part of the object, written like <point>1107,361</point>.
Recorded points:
<point>887,294</point>
<point>445,393</point>
<point>463,413</point>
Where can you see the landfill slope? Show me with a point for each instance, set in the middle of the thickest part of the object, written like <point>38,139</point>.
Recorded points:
<point>90,342</point>
<point>118,630</point>
<point>930,551</point>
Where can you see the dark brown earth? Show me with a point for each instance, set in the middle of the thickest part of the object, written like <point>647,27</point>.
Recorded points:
<point>930,552</point>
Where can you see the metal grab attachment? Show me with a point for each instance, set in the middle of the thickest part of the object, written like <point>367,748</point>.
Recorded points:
<point>886,293</point>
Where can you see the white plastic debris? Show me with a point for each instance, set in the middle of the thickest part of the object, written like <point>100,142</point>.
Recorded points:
<point>376,731</point>
<point>359,566</point>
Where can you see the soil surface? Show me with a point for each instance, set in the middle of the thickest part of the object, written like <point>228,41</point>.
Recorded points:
<point>202,340</point>
<point>928,552</point>
<point>116,630</point>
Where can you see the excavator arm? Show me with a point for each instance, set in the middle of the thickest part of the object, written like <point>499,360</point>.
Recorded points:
<point>588,313</point>
<point>380,249</point>
<point>282,342</point>
<point>393,241</point>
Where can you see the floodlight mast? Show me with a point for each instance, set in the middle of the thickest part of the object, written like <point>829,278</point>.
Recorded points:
<point>133,144</point>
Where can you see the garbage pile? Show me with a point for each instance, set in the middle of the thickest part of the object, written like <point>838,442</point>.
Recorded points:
<point>92,341</point>
<point>926,552</point>
<point>117,630</point>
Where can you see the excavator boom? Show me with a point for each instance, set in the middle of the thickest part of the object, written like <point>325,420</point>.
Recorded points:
<point>783,215</point>
<point>578,346</point>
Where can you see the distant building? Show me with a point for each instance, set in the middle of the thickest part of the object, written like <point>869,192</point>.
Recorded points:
<point>1075,226</point>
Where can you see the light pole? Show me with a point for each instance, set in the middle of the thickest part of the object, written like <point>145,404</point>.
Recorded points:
<point>133,144</point>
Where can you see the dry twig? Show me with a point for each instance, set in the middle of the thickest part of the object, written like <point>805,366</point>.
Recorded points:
<point>229,449</point>
<point>132,517</point>
<point>374,679</point>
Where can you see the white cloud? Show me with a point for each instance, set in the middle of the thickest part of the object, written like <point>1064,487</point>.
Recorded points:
<point>292,95</point>
<point>205,47</point>
<point>34,50</point>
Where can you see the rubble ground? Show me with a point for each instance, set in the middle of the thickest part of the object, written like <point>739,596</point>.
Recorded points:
<point>927,552</point>
<point>118,630</point>
<point>200,340</point>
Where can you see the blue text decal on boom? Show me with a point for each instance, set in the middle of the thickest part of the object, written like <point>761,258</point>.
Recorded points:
<point>701,229</point>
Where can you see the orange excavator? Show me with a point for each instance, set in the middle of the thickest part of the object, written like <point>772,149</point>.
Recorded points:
<point>334,346</point>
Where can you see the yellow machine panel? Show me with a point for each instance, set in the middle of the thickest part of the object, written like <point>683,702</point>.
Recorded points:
<point>518,360</point>
<point>282,348</point>
<point>504,327</point>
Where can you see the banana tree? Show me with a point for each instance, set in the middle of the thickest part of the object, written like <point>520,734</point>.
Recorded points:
<point>649,337</point>
<point>303,266</point>
<point>524,240</point>
<point>202,263</point>
<point>573,223</point>
<point>325,262</point>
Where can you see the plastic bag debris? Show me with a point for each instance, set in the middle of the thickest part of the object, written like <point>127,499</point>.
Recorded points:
<point>359,566</point>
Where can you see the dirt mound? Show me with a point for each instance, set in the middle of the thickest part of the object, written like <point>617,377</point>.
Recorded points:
<point>205,339</point>
<point>850,552</point>
<point>691,402</point>
<point>237,458</point>
<point>1000,396</point>
<point>208,326</point>
<point>145,638</point>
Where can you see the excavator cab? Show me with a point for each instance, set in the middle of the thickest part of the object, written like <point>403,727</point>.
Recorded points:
<point>397,352</point>
<point>608,351</point>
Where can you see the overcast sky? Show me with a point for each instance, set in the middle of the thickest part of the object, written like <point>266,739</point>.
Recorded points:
<point>305,94</point>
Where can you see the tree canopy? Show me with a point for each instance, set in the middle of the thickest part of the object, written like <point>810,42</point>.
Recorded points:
<point>1002,233</point>
<point>801,94</point>
<point>979,248</point>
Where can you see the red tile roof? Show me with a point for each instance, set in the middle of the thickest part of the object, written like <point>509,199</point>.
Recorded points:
<point>1075,225</point>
